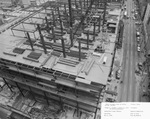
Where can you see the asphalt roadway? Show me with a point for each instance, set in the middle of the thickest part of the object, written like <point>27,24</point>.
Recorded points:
<point>128,90</point>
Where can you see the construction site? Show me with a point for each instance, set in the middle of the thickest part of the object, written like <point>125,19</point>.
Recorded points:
<point>57,56</point>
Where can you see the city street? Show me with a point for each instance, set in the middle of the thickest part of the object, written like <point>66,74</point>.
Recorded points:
<point>128,88</point>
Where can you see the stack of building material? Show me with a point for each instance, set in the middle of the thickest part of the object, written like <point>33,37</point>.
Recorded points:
<point>69,62</point>
<point>87,66</point>
<point>58,47</point>
<point>19,50</point>
<point>73,53</point>
<point>55,53</point>
<point>28,43</point>
<point>34,55</point>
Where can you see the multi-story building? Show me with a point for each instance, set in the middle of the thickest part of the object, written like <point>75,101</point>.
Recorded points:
<point>50,64</point>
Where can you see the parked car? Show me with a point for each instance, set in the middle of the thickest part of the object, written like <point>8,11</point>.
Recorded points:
<point>138,48</point>
<point>110,100</point>
<point>118,74</point>
<point>125,8</point>
<point>138,23</point>
<point>138,45</point>
<point>136,13</point>
<point>137,71</point>
<point>138,38</point>
<point>109,80</point>
<point>137,34</point>
<point>140,65</point>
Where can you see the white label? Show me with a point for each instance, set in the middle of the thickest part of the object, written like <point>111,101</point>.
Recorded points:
<point>125,110</point>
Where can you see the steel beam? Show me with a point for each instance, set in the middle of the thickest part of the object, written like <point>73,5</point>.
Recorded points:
<point>7,84</point>
<point>71,36</point>
<point>53,32</point>
<point>78,110</point>
<point>76,94</point>
<point>87,3</point>
<point>63,47</point>
<point>99,25</point>
<point>46,21</point>
<point>60,21</point>
<point>46,97</point>
<point>75,2</point>
<point>105,6</point>
<point>65,10</point>
<point>61,103</point>
<point>54,23</point>
<point>47,25</point>
<point>94,31</point>
<point>79,50</point>
<point>88,39</point>
<point>43,43</point>
<point>70,12</point>
<point>81,5</point>
<point>28,36</point>
<point>12,32</point>
<point>38,27</point>
<point>19,89</point>
<point>97,105</point>
<point>26,18</point>
<point>32,93</point>
<point>83,18</point>
<point>42,39</point>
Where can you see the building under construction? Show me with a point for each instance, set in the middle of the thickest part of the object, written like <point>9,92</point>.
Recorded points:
<point>60,51</point>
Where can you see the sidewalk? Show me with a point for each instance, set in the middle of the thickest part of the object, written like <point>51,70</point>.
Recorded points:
<point>142,80</point>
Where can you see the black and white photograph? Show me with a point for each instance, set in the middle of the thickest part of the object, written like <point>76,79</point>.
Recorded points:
<point>74,59</point>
